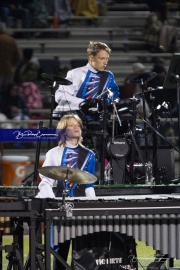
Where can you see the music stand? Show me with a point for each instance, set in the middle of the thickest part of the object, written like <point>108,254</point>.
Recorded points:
<point>172,82</point>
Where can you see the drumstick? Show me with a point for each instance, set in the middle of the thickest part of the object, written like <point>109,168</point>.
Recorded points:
<point>103,93</point>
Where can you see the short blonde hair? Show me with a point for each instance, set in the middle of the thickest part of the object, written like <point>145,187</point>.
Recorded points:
<point>95,47</point>
<point>62,125</point>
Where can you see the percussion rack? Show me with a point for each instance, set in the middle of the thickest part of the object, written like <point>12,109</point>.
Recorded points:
<point>134,217</point>
<point>17,210</point>
<point>101,111</point>
<point>123,214</point>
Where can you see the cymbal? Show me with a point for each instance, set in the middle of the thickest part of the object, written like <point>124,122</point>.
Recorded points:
<point>54,78</point>
<point>62,173</point>
<point>150,90</point>
<point>146,76</point>
<point>125,103</point>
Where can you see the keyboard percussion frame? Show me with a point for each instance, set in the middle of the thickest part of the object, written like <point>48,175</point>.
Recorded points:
<point>21,211</point>
<point>145,217</point>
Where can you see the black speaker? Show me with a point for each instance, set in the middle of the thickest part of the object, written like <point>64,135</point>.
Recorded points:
<point>165,160</point>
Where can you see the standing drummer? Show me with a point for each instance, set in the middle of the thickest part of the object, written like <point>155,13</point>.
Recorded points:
<point>69,153</point>
<point>89,81</point>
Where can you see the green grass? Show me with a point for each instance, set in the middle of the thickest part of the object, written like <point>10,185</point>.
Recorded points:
<point>145,254</point>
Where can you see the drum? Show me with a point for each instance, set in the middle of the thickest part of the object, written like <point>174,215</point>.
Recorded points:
<point>125,105</point>
<point>118,149</point>
<point>91,107</point>
<point>126,110</point>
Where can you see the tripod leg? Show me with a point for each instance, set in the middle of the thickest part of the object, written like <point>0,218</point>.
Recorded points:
<point>10,265</point>
<point>15,261</point>
<point>1,256</point>
<point>39,261</point>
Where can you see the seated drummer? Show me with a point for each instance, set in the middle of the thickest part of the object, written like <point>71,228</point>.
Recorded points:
<point>89,81</point>
<point>70,153</point>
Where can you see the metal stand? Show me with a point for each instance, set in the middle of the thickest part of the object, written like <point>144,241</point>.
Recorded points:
<point>131,134</point>
<point>65,209</point>
<point>104,139</point>
<point>15,250</point>
<point>172,82</point>
<point>53,87</point>
<point>178,108</point>
<point>155,137</point>
<point>134,146</point>
<point>149,179</point>
<point>53,81</point>
<point>36,164</point>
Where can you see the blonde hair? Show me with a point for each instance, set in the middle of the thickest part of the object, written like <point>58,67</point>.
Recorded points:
<point>95,47</point>
<point>62,126</point>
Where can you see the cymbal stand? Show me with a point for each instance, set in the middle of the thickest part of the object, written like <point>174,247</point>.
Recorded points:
<point>104,128</point>
<point>155,138</point>
<point>134,146</point>
<point>67,207</point>
<point>65,192</point>
<point>53,87</point>
<point>178,107</point>
<point>35,172</point>
<point>144,115</point>
<point>148,165</point>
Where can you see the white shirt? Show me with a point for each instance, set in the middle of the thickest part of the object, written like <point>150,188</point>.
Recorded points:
<point>65,95</point>
<point>53,158</point>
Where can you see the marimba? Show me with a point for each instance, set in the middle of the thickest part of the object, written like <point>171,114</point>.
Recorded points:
<point>154,219</point>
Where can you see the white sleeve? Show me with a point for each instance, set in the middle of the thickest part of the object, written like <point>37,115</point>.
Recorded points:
<point>90,192</point>
<point>53,158</point>
<point>65,96</point>
<point>45,188</point>
<point>66,101</point>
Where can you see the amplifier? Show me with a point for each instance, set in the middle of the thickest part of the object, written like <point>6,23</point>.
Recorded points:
<point>165,164</point>
<point>165,159</point>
